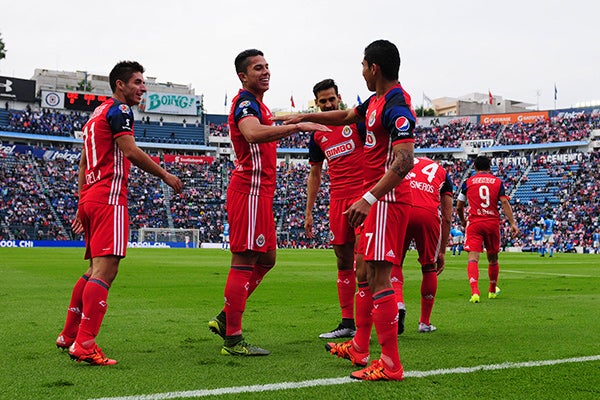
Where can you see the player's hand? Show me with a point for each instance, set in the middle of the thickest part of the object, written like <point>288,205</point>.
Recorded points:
<point>76,225</point>
<point>308,226</point>
<point>357,212</point>
<point>288,119</point>
<point>174,182</point>
<point>440,263</point>
<point>514,230</point>
<point>312,126</point>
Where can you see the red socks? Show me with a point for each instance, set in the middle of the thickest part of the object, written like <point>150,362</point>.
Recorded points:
<point>364,317</point>
<point>429,286</point>
<point>473,273</point>
<point>75,306</point>
<point>94,298</point>
<point>258,273</point>
<point>493,271</point>
<point>346,286</point>
<point>397,278</point>
<point>236,294</point>
<point>385,314</point>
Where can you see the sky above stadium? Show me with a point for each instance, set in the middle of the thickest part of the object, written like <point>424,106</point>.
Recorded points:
<point>515,49</point>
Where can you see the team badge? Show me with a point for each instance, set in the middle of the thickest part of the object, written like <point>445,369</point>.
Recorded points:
<point>124,108</point>
<point>347,131</point>
<point>372,118</point>
<point>402,124</point>
<point>370,141</point>
<point>260,240</point>
<point>244,103</point>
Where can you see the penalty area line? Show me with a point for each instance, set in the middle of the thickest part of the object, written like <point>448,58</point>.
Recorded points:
<point>339,381</point>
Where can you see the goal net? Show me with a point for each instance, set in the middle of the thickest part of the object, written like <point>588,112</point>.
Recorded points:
<point>173,237</point>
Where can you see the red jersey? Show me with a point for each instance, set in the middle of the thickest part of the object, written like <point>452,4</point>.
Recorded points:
<point>107,169</point>
<point>255,169</point>
<point>390,120</point>
<point>429,181</point>
<point>482,192</point>
<point>343,149</point>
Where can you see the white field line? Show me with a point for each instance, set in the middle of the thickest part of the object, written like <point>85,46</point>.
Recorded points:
<point>338,381</point>
<point>547,273</point>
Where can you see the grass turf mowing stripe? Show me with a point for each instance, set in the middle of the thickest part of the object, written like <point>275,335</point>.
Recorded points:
<point>338,381</point>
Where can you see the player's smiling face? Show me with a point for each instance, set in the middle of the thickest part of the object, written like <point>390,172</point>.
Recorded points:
<point>328,100</point>
<point>257,76</point>
<point>133,90</point>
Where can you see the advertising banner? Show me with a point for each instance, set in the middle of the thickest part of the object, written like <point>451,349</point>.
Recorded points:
<point>17,89</point>
<point>176,158</point>
<point>513,118</point>
<point>53,99</point>
<point>169,103</point>
<point>439,121</point>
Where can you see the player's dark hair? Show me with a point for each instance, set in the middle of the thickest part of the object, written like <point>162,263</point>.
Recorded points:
<point>482,163</point>
<point>241,61</point>
<point>324,85</point>
<point>123,72</point>
<point>385,54</point>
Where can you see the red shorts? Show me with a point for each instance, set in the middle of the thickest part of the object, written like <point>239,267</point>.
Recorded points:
<point>339,228</point>
<point>251,222</point>
<point>384,229</point>
<point>483,233</point>
<point>425,228</point>
<point>106,229</point>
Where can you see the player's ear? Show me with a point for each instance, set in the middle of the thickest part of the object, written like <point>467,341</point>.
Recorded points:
<point>243,77</point>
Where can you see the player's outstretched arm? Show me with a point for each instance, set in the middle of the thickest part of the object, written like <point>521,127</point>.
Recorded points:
<point>143,161</point>
<point>333,117</point>
<point>255,132</point>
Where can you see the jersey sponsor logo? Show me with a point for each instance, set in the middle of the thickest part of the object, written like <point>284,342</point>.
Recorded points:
<point>372,118</point>
<point>402,124</point>
<point>370,141</point>
<point>124,108</point>
<point>244,103</point>
<point>260,240</point>
<point>340,149</point>
<point>347,131</point>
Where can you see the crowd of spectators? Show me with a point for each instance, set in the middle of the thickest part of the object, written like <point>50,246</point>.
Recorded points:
<point>46,122</point>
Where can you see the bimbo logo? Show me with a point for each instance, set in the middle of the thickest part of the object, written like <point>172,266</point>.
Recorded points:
<point>340,149</point>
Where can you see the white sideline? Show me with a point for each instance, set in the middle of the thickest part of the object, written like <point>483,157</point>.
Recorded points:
<point>548,273</point>
<point>338,381</point>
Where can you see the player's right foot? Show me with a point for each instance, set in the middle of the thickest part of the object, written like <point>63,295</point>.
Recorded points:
<point>92,355</point>
<point>346,350</point>
<point>243,348</point>
<point>218,325</point>
<point>474,299</point>
<point>424,328</point>
<point>378,371</point>
<point>493,295</point>
<point>64,342</point>
<point>340,332</point>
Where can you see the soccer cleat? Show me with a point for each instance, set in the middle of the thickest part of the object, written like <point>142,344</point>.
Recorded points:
<point>64,342</point>
<point>378,371</point>
<point>93,355</point>
<point>496,294</point>
<point>217,325</point>
<point>346,350</point>
<point>474,299</point>
<point>424,328</point>
<point>401,317</point>
<point>340,332</point>
<point>243,348</point>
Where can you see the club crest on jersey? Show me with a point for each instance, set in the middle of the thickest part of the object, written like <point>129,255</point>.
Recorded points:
<point>260,240</point>
<point>244,103</point>
<point>402,124</point>
<point>370,141</point>
<point>339,149</point>
<point>347,131</point>
<point>124,108</point>
<point>372,118</point>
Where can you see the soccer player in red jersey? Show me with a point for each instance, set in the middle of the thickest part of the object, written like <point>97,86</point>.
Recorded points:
<point>432,196</point>
<point>250,197</point>
<point>343,149</point>
<point>482,192</point>
<point>383,210</point>
<point>108,150</point>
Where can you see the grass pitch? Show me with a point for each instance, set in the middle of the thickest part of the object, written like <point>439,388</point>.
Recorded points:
<point>160,303</point>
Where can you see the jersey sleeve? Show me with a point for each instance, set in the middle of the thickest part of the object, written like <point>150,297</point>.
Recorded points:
<point>462,195</point>
<point>120,119</point>
<point>246,106</point>
<point>447,186</point>
<point>361,109</point>
<point>398,118</point>
<point>315,154</point>
<point>502,191</point>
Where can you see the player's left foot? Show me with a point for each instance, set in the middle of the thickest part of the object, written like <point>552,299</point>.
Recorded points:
<point>340,332</point>
<point>474,299</point>
<point>493,295</point>
<point>92,355</point>
<point>378,371</point>
<point>244,348</point>
<point>424,328</point>
<point>64,342</point>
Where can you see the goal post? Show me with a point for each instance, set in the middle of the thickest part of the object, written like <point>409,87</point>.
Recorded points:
<point>173,237</point>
